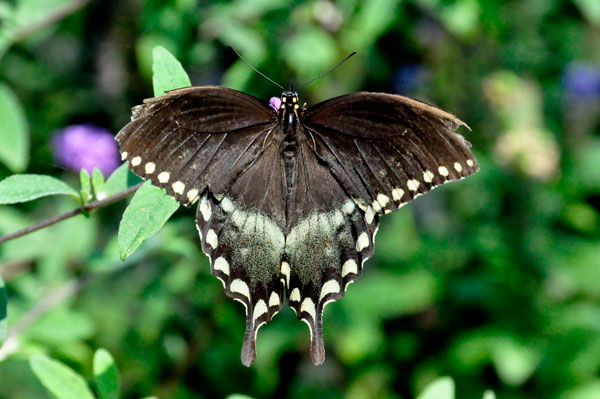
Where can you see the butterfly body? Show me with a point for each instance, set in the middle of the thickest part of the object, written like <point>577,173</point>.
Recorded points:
<point>289,197</point>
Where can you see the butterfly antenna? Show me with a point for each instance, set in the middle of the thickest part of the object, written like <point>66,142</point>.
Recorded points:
<point>326,72</point>
<point>256,70</point>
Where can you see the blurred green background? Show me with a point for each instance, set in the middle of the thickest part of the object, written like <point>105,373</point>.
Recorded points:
<point>494,280</point>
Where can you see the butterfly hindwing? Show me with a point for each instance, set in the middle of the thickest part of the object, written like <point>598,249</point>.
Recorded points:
<point>327,243</point>
<point>242,233</point>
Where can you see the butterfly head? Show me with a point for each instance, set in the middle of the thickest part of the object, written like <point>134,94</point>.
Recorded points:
<point>290,107</point>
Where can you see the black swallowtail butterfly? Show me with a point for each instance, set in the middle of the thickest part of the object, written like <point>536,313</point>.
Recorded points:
<point>289,196</point>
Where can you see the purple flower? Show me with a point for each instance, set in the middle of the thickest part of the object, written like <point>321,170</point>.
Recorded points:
<point>582,80</point>
<point>86,147</point>
<point>275,103</point>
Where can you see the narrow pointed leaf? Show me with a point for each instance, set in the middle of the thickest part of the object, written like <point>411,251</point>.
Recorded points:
<point>97,182</point>
<point>148,211</point>
<point>86,185</point>
<point>14,135</point>
<point>23,188</point>
<point>168,74</point>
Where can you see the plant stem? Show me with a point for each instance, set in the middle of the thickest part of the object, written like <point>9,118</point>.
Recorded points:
<point>59,218</point>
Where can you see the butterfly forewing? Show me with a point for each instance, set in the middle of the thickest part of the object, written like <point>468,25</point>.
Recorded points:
<point>387,149</point>
<point>194,138</point>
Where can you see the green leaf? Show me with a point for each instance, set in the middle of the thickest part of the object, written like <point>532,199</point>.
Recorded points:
<point>23,188</point>
<point>106,375</point>
<point>489,395</point>
<point>120,180</point>
<point>590,9</point>
<point>513,361</point>
<point>97,181</point>
<point>3,312</point>
<point>14,135</point>
<point>442,388</point>
<point>86,186</point>
<point>168,74</point>
<point>59,379</point>
<point>148,211</point>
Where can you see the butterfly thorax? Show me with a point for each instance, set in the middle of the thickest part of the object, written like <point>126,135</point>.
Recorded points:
<point>290,108</point>
<point>288,118</point>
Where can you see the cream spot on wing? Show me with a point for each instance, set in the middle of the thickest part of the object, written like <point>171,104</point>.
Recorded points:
<point>227,205</point>
<point>204,208</point>
<point>192,195</point>
<point>458,167</point>
<point>259,309</point>
<point>124,155</point>
<point>330,287</point>
<point>362,242</point>
<point>163,177</point>
<point>348,207</point>
<point>428,176</point>
<point>369,215</point>
<point>274,299</point>
<point>221,265</point>
<point>240,287</point>
<point>397,194</point>
<point>361,204</point>
<point>413,185</point>
<point>150,168</point>
<point>443,171</point>
<point>295,295</point>
<point>212,239</point>
<point>178,187</point>
<point>376,206</point>
<point>136,161</point>
<point>470,163</point>
<point>349,266</point>
<point>308,306</point>
<point>383,200</point>
<point>285,270</point>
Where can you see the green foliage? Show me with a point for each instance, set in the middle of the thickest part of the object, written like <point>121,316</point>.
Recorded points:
<point>97,182</point>
<point>22,188</point>
<point>492,280</point>
<point>86,186</point>
<point>148,211</point>
<point>60,380</point>
<point>119,180</point>
<point>3,313</point>
<point>106,375</point>
<point>442,388</point>
<point>168,74</point>
<point>14,136</point>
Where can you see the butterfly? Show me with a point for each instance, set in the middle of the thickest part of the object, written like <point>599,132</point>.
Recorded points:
<point>289,196</point>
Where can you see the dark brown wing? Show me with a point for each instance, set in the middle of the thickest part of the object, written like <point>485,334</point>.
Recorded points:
<point>218,145</point>
<point>195,138</point>
<point>388,149</point>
